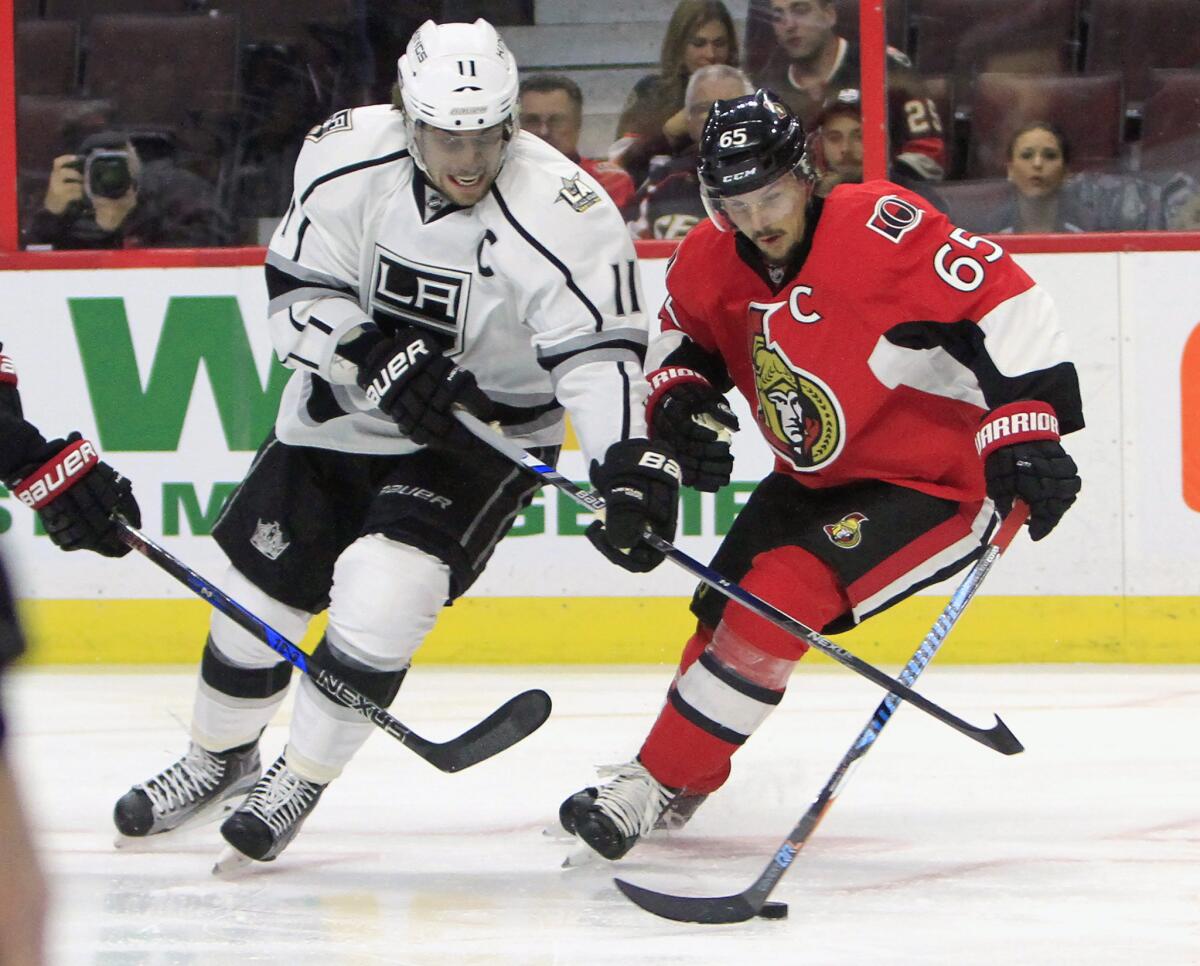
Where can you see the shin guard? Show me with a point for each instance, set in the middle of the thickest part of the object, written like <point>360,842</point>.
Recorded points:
<point>720,698</point>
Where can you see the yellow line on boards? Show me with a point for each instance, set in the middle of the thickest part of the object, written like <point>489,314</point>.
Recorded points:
<point>620,630</point>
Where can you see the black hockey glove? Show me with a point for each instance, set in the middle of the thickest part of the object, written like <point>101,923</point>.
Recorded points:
<point>409,379</point>
<point>639,481</point>
<point>686,412</point>
<point>73,492</point>
<point>10,400</point>
<point>1023,459</point>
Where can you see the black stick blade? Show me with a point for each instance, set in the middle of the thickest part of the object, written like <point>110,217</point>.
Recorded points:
<point>715,909</point>
<point>513,721</point>
<point>1003,740</point>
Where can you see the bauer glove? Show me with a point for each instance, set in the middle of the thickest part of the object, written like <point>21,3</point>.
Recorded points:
<point>686,412</point>
<point>409,379</point>
<point>74,493</point>
<point>639,481</point>
<point>1023,459</point>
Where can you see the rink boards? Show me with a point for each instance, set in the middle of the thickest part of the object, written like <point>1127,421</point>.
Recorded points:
<point>170,372</point>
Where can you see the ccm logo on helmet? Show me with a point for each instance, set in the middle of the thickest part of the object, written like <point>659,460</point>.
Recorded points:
<point>396,367</point>
<point>739,175</point>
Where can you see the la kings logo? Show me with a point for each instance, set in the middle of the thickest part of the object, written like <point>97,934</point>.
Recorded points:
<point>429,296</point>
<point>577,194</point>
<point>341,121</point>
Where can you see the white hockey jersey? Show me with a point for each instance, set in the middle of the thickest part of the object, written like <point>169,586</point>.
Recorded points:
<point>535,289</point>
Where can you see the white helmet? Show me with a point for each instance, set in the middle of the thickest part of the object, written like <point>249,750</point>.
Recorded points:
<point>458,77</point>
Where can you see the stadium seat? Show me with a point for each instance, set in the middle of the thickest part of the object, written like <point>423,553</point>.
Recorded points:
<point>1134,37</point>
<point>963,37</point>
<point>47,55</point>
<point>1089,110</point>
<point>1171,119</point>
<point>285,21</point>
<point>974,205</point>
<point>47,127</point>
<point>163,70</point>
<point>50,126</point>
<point>84,10</point>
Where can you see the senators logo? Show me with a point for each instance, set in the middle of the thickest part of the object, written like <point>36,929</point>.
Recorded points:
<point>847,532</point>
<point>802,417</point>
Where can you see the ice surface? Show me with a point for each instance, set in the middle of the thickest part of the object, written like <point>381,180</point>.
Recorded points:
<point>1083,850</point>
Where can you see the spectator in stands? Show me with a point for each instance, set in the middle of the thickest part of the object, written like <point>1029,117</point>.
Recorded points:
<point>699,34</point>
<point>1181,203</point>
<point>552,108</point>
<point>1038,159</point>
<point>811,62</point>
<point>668,203</point>
<point>105,197</point>
<point>838,151</point>
<point>1044,198</point>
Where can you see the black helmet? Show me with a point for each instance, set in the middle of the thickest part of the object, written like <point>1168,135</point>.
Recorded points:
<point>747,143</point>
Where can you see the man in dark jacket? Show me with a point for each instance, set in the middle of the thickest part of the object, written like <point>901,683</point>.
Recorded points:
<point>106,197</point>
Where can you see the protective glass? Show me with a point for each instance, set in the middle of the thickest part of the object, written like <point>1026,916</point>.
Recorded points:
<point>471,156</point>
<point>779,201</point>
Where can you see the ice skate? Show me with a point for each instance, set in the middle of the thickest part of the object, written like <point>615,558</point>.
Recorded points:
<point>268,819</point>
<point>680,811</point>
<point>202,786</point>
<point>612,817</point>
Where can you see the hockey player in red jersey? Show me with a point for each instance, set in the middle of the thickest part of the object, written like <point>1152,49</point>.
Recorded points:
<point>912,382</point>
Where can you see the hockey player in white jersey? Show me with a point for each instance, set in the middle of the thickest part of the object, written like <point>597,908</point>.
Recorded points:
<point>432,255</point>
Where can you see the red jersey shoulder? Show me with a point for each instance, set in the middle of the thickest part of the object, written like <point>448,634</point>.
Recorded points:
<point>702,250</point>
<point>912,246</point>
<point>879,212</point>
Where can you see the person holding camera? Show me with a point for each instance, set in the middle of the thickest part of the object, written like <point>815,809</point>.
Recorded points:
<point>106,197</point>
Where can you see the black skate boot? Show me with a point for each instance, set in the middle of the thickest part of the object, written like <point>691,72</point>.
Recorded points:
<point>200,787</point>
<point>612,817</point>
<point>680,811</point>
<point>268,819</point>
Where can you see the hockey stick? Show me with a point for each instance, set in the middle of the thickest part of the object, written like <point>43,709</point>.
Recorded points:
<point>749,903</point>
<point>998,737</point>
<point>516,719</point>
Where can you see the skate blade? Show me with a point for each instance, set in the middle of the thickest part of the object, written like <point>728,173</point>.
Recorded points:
<point>557,832</point>
<point>159,842</point>
<point>581,857</point>
<point>232,864</point>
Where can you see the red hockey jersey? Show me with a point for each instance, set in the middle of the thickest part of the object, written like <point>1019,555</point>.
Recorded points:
<point>875,358</point>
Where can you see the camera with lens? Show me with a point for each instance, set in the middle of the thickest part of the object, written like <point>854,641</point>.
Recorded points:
<point>105,162</point>
<point>107,174</point>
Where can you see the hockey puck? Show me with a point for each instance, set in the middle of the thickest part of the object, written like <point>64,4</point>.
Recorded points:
<point>773,910</point>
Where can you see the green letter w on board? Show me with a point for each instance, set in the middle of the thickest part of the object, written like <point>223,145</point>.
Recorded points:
<point>205,328</point>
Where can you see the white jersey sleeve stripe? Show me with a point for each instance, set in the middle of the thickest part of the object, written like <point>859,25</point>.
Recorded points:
<point>591,341</point>
<point>599,354</point>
